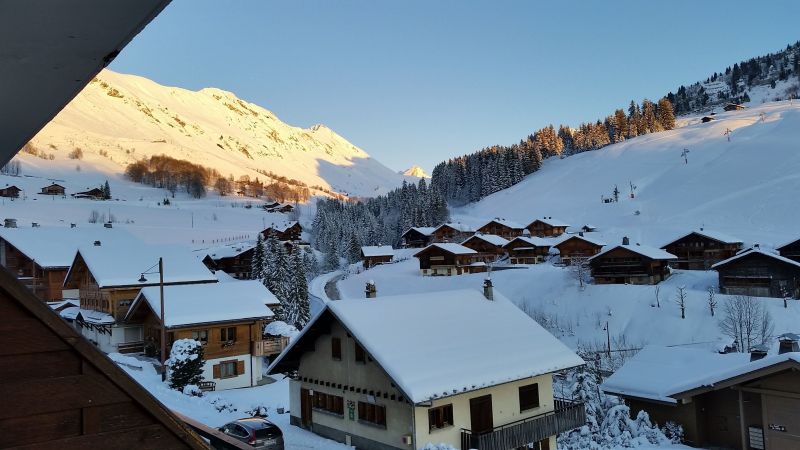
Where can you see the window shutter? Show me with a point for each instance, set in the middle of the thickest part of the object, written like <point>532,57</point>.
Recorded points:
<point>239,367</point>
<point>216,371</point>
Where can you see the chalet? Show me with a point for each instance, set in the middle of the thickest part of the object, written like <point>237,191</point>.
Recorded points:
<point>759,273</point>
<point>731,400</point>
<point>234,259</point>
<point>447,258</point>
<point>109,276</point>
<point>701,249</point>
<point>547,227</point>
<point>10,192</point>
<point>588,228</point>
<point>373,255</point>
<point>706,119</point>
<point>578,246</point>
<point>501,227</point>
<point>733,107</point>
<point>287,231</point>
<point>92,194</point>
<point>227,318</point>
<point>631,264</point>
<point>277,207</point>
<point>417,237</point>
<point>350,384</point>
<point>528,250</point>
<point>489,247</point>
<point>451,232</point>
<point>53,189</point>
<point>790,250</point>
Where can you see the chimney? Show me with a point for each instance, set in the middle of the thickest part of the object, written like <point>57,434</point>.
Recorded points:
<point>97,243</point>
<point>788,342</point>
<point>626,241</point>
<point>758,352</point>
<point>488,292</point>
<point>371,291</point>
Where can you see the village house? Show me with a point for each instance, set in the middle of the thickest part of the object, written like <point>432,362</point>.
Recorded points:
<point>447,258</point>
<point>732,400</point>
<point>631,264</point>
<point>227,318</point>
<point>733,107</point>
<point>759,273</point>
<point>234,259</point>
<point>373,255</point>
<point>701,249</point>
<point>10,192</point>
<point>109,276</point>
<point>501,227</point>
<point>287,231</point>
<point>578,246</point>
<point>489,247</point>
<point>528,250</point>
<point>350,384</point>
<point>417,237</point>
<point>276,207</point>
<point>547,227</point>
<point>451,232</point>
<point>92,194</point>
<point>706,119</point>
<point>790,250</point>
<point>53,189</point>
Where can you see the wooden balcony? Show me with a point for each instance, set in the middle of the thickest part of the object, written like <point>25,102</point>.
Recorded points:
<point>566,416</point>
<point>270,346</point>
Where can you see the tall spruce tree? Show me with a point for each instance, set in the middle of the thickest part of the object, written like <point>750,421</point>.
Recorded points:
<point>257,265</point>
<point>299,292</point>
<point>106,191</point>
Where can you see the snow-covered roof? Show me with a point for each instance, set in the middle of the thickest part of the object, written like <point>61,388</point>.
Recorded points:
<point>118,263</point>
<point>427,343</point>
<point>753,251</point>
<point>493,239</point>
<point>451,247</point>
<point>425,231</point>
<point>462,227</point>
<point>88,315</point>
<point>206,303</point>
<point>550,221</point>
<point>282,227</point>
<point>281,328</point>
<point>713,235</point>
<point>226,251</point>
<point>589,239</point>
<point>505,222</point>
<point>534,241</point>
<point>377,250</point>
<point>644,250</point>
<point>55,247</point>
<point>785,244</point>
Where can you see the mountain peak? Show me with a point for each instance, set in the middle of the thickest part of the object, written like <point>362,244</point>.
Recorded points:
<point>416,171</point>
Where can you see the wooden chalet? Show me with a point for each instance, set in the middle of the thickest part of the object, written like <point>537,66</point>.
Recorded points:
<point>547,227</point>
<point>10,192</point>
<point>59,391</point>
<point>501,227</point>
<point>373,255</point>
<point>53,189</point>
<point>528,250</point>
<point>236,259</point>
<point>706,119</point>
<point>448,259</point>
<point>417,237</point>
<point>488,247</point>
<point>759,273</point>
<point>701,249</point>
<point>790,250</point>
<point>733,107</point>
<point>451,232</point>
<point>92,194</point>
<point>578,246</point>
<point>631,264</point>
<point>288,231</point>
<point>275,206</point>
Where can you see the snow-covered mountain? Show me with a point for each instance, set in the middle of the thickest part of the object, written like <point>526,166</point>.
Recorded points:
<point>416,171</point>
<point>126,118</point>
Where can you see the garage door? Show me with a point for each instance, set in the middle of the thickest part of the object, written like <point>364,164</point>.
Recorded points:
<point>782,428</point>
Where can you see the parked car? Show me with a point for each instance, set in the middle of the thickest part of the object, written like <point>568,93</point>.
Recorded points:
<point>258,432</point>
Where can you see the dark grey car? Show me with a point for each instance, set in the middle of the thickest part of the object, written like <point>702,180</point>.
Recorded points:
<point>258,432</point>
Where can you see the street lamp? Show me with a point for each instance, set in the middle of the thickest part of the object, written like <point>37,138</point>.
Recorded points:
<point>163,338</point>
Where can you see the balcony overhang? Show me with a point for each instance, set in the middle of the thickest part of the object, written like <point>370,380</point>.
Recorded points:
<point>51,49</point>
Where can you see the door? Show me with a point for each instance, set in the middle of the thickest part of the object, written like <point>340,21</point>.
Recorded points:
<point>305,408</point>
<point>782,424</point>
<point>480,412</point>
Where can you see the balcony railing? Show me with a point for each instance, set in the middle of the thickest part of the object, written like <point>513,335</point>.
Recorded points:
<point>271,345</point>
<point>566,416</point>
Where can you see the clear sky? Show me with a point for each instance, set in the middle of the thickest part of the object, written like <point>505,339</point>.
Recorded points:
<point>417,82</point>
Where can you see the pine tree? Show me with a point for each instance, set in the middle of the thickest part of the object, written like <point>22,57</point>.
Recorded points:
<point>106,191</point>
<point>666,117</point>
<point>283,275</point>
<point>257,266</point>
<point>185,363</point>
<point>299,295</point>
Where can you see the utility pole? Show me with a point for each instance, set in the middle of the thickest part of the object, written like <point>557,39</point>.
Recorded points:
<point>685,155</point>
<point>163,322</point>
<point>608,340</point>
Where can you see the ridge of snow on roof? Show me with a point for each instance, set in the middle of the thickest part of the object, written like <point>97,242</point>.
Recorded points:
<point>508,223</point>
<point>716,236</point>
<point>426,231</point>
<point>493,239</point>
<point>535,241</point>
<point>462,227</point>
<point>550,221</point>
<point>120,264</point>
<point>282,227</point>
<point>752,251</point>
<point>377,250</point>
<point>53,247</point>
<point>427,342</point>
<point>644,250</point>
<point>591,240</point>
<point>451,247</point>
<point>204,303</point>
<point>786,244</point>
<point>226,251</point>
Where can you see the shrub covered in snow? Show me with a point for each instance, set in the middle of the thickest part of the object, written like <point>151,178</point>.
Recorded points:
<point>185,363</point>
<point>222,405</point>
<point>259,410</point>
<point>193,390</point>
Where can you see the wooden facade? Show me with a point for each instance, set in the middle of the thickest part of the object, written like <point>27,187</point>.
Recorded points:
<point>238,266</point>
<point>791,250</point>
<point>450,233</point>
<point>10,192</point>
<point>759,274</point>
<point>546,228</point>
<point>696,251</point>
<point>53,189</point>
<point>290,233</point>
<point>416,237</point>
<point>501,228</point>
<point>577,246</point>
<point>375,260</point>
<point>624,265</point>
<point>733,107</point>
<point>93,194</point>
<point>59,391</point>
<point>486,251</point>
<point>435,260</point>
<point>522,250</point>
<point>45,282</point>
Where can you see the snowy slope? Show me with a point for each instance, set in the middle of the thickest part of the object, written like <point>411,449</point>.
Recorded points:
<point>131,117</point>
<point>416,171</point>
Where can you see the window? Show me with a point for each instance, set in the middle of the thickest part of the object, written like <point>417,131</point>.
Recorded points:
<point>333,404</point>
<point>227,369</point>
<point>200,335</point>
<point>528,397</point>
<point>228,334</point>
<point>440,417</point>
<point>372,414</point>
<point>336,348</point>
<point>361,356</point>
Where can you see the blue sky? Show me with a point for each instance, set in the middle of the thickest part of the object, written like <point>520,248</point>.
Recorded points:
<point>417,82</point>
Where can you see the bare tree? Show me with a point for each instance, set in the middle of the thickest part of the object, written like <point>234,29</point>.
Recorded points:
<point>657,291</point>
<point>747,322</point>
<point>712,300</point>
<point>94,216</point>
<point>680,300</point>
<point>579,266</point>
